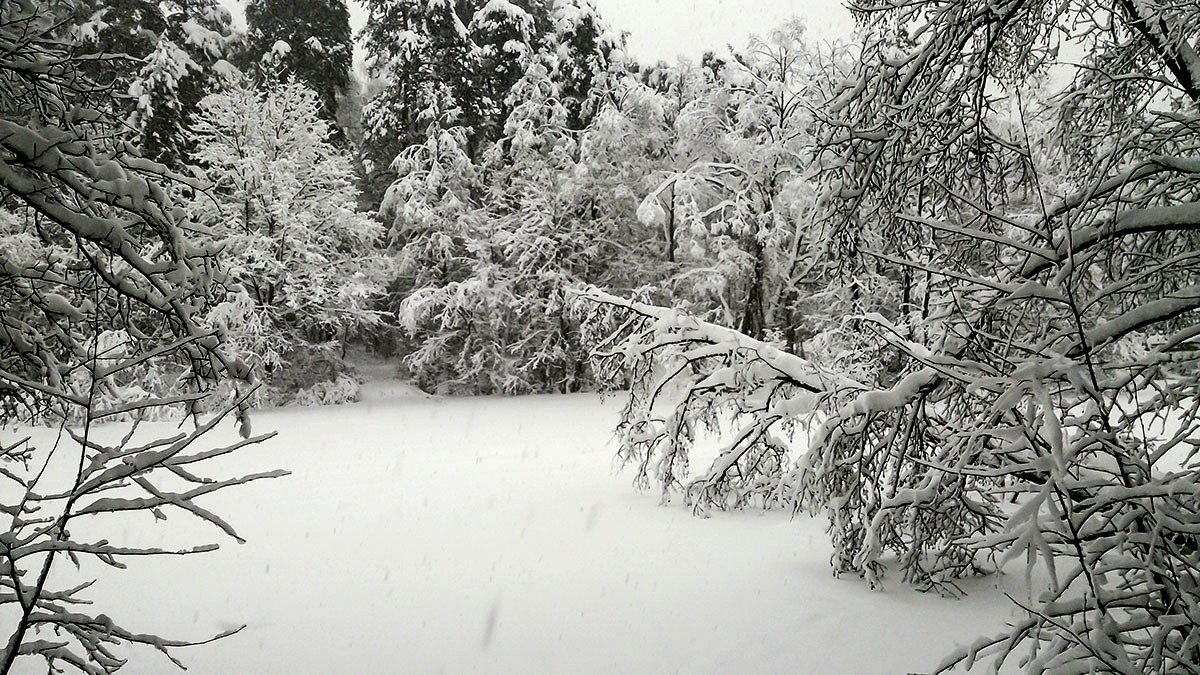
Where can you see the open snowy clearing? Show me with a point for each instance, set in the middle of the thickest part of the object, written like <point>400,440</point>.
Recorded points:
<point>421,535</point>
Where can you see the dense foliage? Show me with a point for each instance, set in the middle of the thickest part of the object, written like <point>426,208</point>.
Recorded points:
<point>161,58</point>
<point>279,203</point>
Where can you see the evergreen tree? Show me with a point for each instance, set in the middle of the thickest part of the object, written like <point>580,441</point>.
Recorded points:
<point>584,48</point>
<point>503,35</point>
<point>542,14</point>
<point>320,49</point>
<point>176,55</point>
<point>498,324</point>
<point>421,52</point>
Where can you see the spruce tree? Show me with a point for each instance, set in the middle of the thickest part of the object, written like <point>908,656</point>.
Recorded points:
<point>585,49</point>
<point>503,35</point>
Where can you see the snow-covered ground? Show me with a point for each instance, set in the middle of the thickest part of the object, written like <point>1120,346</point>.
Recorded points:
<point>487,535</point>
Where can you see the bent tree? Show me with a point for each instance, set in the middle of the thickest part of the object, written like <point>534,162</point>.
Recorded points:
<point>102,301</point>
<point>1039,212</point>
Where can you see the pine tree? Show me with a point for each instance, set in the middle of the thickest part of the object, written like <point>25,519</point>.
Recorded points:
<point>584,48</point>
<point>503,34</point>
<point>421,52</point>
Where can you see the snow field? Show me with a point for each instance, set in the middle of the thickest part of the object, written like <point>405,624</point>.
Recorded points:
<point>489,535</point>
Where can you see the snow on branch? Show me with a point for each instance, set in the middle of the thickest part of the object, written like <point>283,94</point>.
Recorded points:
<point>686,375</point>
<point>1150,220</point>
<point>103,293</point>
<point>795,435</point>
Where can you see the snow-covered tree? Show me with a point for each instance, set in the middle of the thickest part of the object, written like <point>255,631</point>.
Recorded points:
<point>317,33</point>
<point>622,155</point>
<point>432,219</point>
<point>99,278</point>
<point>174,54</point>
<point>282,207</point>
<point>1043,257</point>
<point>490,251</point>
<point>666,90</point>
<point>483,315</point>
<point>739,204</point>
<point>1062,309</point>
<point>454,64</point>
<point>584,49</point>
<point>421,53</point>
<point>504,38</point>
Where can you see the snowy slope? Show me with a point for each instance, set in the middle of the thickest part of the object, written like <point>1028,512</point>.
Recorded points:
<point>425,535</point>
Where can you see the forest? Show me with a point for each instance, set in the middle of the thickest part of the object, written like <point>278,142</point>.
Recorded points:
<point>935,285</point>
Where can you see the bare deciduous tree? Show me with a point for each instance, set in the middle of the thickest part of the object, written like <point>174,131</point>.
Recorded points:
<point>98,282</point>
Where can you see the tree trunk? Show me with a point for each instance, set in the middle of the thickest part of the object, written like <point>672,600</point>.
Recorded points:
<point>671,228</point>
<point>752,314</point>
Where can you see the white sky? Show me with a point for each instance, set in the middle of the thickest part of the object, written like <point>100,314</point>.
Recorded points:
<point>667,29</point>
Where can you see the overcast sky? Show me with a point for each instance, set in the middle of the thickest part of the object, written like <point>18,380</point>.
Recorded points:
<point>667,29</point>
